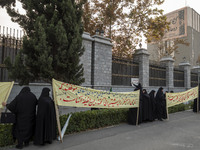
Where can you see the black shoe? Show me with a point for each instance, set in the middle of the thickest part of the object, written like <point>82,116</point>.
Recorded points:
<point>160,119</point>
<point>49,142</point>
<point>19,146</point>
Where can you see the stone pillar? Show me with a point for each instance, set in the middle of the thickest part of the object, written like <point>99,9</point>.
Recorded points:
<point>169,62</point>
<point>86,58</point>
<point>187,74</point>
<point>142,56</point>
<point>101,61</point>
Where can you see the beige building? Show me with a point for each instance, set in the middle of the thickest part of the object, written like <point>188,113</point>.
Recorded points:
<point>185,24</point>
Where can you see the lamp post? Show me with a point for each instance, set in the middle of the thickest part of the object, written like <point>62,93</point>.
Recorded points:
<point>140,45</point>
<point>99,30</point>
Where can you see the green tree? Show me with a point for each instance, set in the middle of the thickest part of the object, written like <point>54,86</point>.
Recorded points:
<point>52,46</point>
<point>123,21</point>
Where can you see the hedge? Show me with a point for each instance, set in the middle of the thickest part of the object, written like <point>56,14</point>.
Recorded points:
<point>6,135</point>
<point>81,121</point>
<point>86,120</point>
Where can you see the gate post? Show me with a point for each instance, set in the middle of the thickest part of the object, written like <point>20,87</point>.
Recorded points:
<point>169,62</point>
<point>187,74</point>
<point>142,56</point>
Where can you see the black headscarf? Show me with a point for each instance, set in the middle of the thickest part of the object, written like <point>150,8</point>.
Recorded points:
<point>25,90</point>
<point>144,91</point>
<point>152,94</point>
<point>45,92</point>
<point>159,94</point>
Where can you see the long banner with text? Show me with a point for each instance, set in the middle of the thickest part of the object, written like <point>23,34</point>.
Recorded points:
<point>66,94</point>
<point>178,98</point>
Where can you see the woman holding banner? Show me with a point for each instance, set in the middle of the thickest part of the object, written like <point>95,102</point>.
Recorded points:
<point>132,114</point>
<point>24,108</point>
<point>160,107</point>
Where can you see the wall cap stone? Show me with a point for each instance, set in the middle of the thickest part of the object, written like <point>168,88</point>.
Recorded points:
<point>141,51</point>
<point>86,36</point>
<point>167,58</point>
<point>184,64</point>
<point>101,39</point>
<point>197,68</point>
<point>34,84</point>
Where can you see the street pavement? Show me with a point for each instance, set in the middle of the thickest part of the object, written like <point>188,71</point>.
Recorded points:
<point>180,132</point>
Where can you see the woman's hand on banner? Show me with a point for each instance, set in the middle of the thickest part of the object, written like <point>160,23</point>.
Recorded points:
<point>4,103</point>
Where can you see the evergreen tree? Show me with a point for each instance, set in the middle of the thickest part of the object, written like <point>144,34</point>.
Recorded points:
<point>53,43</point>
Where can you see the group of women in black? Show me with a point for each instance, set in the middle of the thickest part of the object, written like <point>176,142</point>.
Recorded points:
<point>152,106</point>
<point>34,123</point>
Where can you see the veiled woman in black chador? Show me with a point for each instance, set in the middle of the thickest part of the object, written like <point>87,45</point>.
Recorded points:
<point>195,104</point>
<point>45,131</point>
<point>152,106</point>
<point>24,107</point>
<point>160,104</point>
<point>132,113</point>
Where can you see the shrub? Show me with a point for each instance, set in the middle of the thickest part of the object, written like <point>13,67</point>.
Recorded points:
<point>81,121</point>
<point>173,109</point>
<point>6,135</point>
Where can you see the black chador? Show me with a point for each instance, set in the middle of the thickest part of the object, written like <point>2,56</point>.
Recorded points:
<point>160,106</point>
<point>195,104</point>
<point>132,113</point>
<point>45,131</point>
<point>152,106</point>
<point>164,105</point>
<point>145,105</point>
<point>24,107</point>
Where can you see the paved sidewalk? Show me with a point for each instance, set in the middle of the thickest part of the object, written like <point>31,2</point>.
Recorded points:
<point>181,132</point>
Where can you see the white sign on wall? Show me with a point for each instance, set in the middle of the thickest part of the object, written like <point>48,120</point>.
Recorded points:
<point>134,81</point>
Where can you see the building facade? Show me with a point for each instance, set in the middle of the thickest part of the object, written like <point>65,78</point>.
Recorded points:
<point>185,24</point>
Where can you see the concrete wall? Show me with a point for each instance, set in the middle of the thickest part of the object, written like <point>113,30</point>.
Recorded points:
<point>86,58</point>
<point>102,60</point>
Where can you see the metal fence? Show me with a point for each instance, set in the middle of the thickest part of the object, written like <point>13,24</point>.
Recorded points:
<point>10,43</point>
<point>194,79</point>
<point>178,77</point>
<point>157,75</point>
<point>123,70</point>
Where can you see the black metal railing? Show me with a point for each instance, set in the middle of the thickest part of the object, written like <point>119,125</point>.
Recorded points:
<point>157,75</point>
<point>10,43</point>
<point>123,70</point>
<point>194,79</point>
<point>178,78</point>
